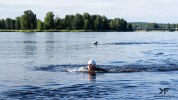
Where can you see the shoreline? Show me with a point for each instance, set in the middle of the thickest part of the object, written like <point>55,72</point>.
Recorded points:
<point>2,30</point>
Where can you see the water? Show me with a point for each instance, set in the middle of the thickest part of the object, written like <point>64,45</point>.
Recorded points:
<point>52,66</point>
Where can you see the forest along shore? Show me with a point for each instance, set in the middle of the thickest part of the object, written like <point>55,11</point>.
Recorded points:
<point>78,22</point>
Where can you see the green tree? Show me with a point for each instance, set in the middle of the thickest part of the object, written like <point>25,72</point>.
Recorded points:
<point>68,21</point>
<point>71,18</point>
<point>123,25</point>
<point>39,25</point>
<point>152,25</point>
<point>78,22</point>
<point>2,24</point>
<point>49,21</point>
<point>98,23</point>
<point>173,25</point>
<point>111,24</point>
<point>168,25</point>
<point>87,21</point>
<point>24,22</point>
<point>86,16</point>
<point>9,24</point>
<point>87,24</point>
<point>105,25</point>
<point>58,23</point>
<point>129,27</point>
<point>13,24</point>
<point>28,20</point>
<point>92,20</point>
<point>118,24</point>
<point>17,23</point>
<point>63,24</point>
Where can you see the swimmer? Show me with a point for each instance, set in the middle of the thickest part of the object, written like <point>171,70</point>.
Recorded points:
<point>92,67</point>
<point>96,43</point>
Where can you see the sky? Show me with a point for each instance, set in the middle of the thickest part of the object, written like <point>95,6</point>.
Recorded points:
<point>159,11</point>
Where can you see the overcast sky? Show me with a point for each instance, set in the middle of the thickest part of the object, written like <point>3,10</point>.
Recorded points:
<point>160,11</point>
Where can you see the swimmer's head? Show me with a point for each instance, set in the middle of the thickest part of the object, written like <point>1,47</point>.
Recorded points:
<point>91,62</point>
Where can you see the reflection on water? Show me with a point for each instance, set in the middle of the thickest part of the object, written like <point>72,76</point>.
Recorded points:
<point>49,45</point>
<point>29,44</point>
<point>91,76</point>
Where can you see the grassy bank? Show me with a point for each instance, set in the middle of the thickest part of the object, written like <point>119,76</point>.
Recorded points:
<point>2,30</point>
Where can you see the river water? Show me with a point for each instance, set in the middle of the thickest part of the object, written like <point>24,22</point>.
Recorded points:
<point>52,66</point>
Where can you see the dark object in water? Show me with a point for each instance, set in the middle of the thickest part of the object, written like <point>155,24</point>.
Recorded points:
<point>96,43</point>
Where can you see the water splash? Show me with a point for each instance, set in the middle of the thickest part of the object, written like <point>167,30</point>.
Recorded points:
<point>110,68</point>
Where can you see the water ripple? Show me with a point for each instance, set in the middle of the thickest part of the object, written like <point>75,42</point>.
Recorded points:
<point>70,92</point>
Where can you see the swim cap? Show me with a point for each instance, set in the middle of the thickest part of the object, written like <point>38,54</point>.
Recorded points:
<point>92,62</point>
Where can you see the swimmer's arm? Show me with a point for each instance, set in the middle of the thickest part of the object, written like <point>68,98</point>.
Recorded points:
<point>101,69</point>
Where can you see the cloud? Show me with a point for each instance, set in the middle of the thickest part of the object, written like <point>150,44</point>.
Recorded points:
<point>131,10</point>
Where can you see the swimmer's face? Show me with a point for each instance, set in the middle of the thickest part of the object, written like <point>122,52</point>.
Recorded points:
<point>91,67</point>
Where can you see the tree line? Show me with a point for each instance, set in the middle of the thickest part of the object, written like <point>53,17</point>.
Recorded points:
<point>28,21</point>
<point>145,25</point>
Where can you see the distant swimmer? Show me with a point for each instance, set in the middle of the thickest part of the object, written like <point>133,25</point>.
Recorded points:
<point>96,43</point>
<point>92,67</point>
